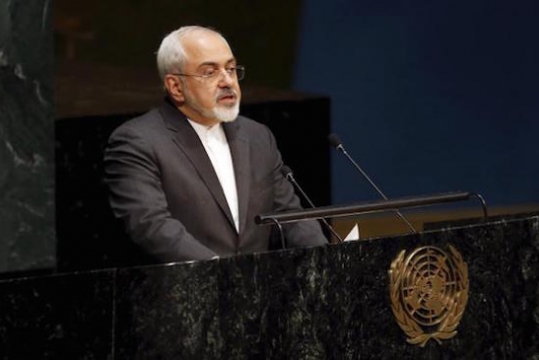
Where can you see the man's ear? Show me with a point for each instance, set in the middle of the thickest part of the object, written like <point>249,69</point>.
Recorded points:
<point>174,87</point>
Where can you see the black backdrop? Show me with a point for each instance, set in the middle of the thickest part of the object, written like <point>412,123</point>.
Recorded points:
<point>88,235</point>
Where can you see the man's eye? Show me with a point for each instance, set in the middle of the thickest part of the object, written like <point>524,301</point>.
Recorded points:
<point>231,70</point>
<point>209,72</point>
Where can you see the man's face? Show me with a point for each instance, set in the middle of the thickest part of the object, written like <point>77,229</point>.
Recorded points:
<point>214,99</point>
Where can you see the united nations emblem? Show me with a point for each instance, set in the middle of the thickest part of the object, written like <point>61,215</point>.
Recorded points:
<point>428,291</point>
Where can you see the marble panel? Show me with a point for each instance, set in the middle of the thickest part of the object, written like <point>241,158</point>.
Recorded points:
<point>57,317</point>
<point>330,302</point>
<point>27,235</point>
<point>168,312</point>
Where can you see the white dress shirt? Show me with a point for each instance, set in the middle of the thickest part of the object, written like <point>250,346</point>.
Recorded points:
<point>216,145</point>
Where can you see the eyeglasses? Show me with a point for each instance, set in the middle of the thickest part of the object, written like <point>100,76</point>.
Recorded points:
<point>236,72</point>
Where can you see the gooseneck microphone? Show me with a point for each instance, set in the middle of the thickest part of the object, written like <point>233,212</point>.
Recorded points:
<point>287,172</point>
<point>337,144</point>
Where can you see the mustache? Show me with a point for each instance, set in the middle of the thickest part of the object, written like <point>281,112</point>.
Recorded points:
<point>226,92</point>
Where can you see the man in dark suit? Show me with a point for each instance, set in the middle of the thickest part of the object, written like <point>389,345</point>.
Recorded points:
<point>188,178</point>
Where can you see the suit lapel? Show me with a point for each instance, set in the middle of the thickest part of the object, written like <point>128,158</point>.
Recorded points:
<point>189,143</point>
<point>238,141</point>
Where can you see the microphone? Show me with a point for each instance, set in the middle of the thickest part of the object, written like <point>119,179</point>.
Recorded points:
<point>337,144</point>
<point>287,172</point>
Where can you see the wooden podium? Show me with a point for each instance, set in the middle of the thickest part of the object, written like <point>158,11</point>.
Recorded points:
<point>333,302</point>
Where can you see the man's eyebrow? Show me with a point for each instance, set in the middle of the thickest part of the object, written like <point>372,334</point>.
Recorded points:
<point>214,64</point>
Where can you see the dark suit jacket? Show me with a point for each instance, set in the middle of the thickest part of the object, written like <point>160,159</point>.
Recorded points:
<point>164,188</point>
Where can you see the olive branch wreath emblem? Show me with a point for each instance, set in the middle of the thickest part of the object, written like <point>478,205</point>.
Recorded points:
<point>450,309</point>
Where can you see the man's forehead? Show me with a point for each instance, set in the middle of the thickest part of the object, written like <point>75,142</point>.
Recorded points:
<point>206,44</point>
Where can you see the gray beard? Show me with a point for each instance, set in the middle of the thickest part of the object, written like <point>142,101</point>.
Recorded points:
<point>220,113</point>
<point>225,114</point>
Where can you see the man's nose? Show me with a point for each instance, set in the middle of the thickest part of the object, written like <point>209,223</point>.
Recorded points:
<point>226,79</point>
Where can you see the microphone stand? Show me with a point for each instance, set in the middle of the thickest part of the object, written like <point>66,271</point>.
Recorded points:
<point>337,144</point>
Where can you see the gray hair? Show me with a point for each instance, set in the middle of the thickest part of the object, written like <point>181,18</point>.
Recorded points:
<point>171,55</point>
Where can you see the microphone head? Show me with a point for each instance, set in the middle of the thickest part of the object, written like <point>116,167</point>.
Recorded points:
<point>334,140</point>
<point>286,171</point>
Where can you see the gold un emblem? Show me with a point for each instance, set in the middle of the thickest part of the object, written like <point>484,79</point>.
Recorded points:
<point>428,291</point>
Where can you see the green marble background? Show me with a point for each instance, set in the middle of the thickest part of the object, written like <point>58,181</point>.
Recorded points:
<point>329,302</point>
<point>27,239</point>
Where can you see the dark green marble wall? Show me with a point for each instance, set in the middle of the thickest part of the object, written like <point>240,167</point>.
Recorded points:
<point>329,302</point>
<point>27,236</point>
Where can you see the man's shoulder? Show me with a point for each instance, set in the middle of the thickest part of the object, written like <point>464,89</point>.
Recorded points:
<point>257,134</point>
<point>144,121</point>
<point>142,125</point>
<point>250,124</point>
